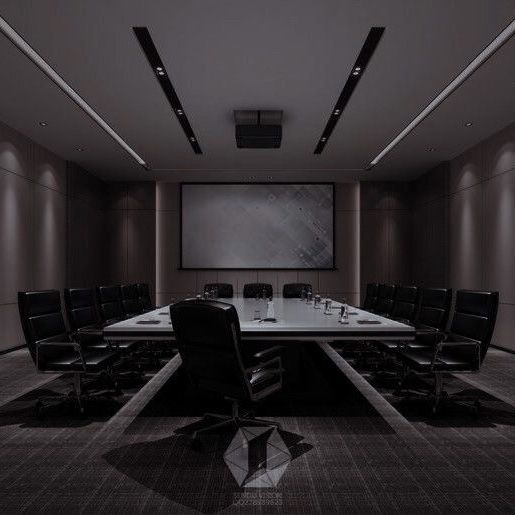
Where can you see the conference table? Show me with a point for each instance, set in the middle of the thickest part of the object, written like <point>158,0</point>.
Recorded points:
<point>297,321</point>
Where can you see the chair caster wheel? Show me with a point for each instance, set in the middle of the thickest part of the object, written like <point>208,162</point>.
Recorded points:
<point>196,444</point>
<point>117,389</point>
<point>39,410</point>
<point>81,409</point>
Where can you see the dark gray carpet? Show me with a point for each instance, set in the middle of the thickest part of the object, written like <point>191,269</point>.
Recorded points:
<point>344,456</point>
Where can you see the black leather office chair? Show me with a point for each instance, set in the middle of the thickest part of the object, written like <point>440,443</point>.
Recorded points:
<point>222,290</point>
<point>52,348</point>
<point>131,303</point>
<point>431,318</point>
<point>85,321</point>
<point>406,304</point>
<point>253,290</point>
<point>385,299</point>
<point>463,348</point>
<point>371,296</point>
<point>405,309</point>
<point>144,297</point>
<point>109,301</point>
<point>209,341</point>
<point>294,290</point>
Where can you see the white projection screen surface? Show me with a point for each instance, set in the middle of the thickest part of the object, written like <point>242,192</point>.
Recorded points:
<point>267,226</point>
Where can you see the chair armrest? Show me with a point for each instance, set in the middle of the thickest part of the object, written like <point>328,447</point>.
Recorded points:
<point>404,321</point>
<point>276,349</point>
<point>425,329</point>
<point>267,364</point>
<point>73,345</point>
<point>464,343</point>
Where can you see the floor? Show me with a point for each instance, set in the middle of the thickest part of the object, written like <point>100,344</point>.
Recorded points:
<point>343,446</point>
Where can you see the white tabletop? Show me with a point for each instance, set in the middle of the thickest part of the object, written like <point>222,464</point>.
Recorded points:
<point>295,318</point>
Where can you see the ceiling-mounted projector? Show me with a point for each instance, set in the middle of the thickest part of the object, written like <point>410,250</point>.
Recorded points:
<point>258,129</point>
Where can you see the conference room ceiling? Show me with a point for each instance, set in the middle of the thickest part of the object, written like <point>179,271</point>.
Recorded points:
<point>289,55</point>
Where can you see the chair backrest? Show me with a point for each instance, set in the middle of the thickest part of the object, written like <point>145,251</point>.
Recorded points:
<point>253,290</point>
<point>294,290</point>
<point>109,299</point>
<point>371,296</point>
<point>81,308</point>
<point>406,302</point>
<point>144,295</point>
<point>474,317</point>
<point>208,337</point>
<point>435,306</point>
<point>385,299</point>
<point>41,318</point>
<point>223,290</point>
<point>130,300</point>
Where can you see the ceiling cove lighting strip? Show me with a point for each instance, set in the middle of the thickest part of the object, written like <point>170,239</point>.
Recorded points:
<point>24,47</point>
<point>367,50</point>
<point>154,60</point>
<point>479,60</point>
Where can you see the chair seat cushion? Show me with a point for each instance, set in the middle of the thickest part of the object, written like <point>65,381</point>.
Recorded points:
<point>421,359</point>
<point>92,338</point>
<point>96,360</point>
<point>386,345</point>
<point>127,345</point>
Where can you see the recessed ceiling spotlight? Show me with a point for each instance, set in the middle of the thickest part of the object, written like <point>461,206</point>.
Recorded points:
<point>155,62</point>
<point>270,177</point>
<point>352,80</point>
<point>79,149</point>
<point>430,149</point>
<point>469,124</point>
<point>43,123</point>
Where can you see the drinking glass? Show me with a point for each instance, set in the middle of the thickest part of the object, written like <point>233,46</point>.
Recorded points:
<point>257,314</point>
<point>328,307</point>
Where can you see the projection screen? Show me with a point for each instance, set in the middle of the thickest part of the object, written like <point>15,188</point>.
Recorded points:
<point>266,226</point>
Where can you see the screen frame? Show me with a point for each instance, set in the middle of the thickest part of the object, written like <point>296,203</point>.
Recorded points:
<point>282,183</point>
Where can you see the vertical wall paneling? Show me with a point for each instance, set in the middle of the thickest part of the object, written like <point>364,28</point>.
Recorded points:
<point>463,225</point>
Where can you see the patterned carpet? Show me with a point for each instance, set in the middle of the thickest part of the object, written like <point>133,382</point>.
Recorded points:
<point>342,445</point>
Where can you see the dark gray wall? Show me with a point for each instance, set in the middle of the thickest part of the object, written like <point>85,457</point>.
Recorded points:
<point>172,283</point>
<point>464,225</point>
<point>61,226</point>
<point>130,228</point>
<point>51,222</point>
<point>385,247</point>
